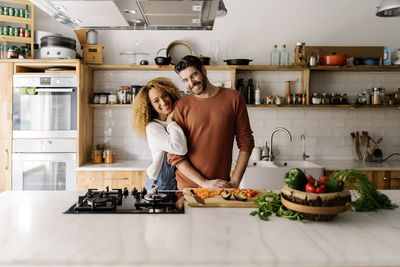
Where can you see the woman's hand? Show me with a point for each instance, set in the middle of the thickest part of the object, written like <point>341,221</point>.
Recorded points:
<point>170,118</point>
<point>214,183</point>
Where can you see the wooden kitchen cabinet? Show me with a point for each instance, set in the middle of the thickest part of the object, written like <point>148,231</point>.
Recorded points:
<point>6,87</point>
<point>384,180</point>
<point>113,179</point>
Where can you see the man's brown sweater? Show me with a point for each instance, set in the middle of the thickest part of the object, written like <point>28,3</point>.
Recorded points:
<point>210,126</point>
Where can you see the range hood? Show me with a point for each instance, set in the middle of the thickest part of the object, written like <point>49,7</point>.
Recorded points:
<point>134,14</point>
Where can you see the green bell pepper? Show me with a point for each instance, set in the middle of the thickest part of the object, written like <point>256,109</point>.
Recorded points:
<point>296,179</point>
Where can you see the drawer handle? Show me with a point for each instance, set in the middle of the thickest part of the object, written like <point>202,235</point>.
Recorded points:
<point>6,160</point>
<point>391,178</point>
<point>93,179</point>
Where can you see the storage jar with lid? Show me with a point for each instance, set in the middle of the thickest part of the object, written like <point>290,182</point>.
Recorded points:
<point>97,156</point>
<point>109,156</point>
<point>335,99</point>
<point>103,98</point>
<point>361,99</point>
<point>376,96</point>
<point>343,99</point>
<point>112,99</point>
<point>299,53</point>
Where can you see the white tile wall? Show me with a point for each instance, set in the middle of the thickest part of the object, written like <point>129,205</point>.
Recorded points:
<point>327,130</point>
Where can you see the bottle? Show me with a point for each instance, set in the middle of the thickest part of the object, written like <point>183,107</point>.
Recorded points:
<point>250,92</point>
<point>242,89</point>
<point>275,56</point>
<point>284,56</point>
<point>257,96</point>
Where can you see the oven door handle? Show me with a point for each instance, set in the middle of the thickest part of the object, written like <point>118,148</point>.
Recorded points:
<point>94,179</point>
<point>55,90</point>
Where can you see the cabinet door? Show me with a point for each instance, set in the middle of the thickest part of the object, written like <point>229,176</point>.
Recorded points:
<point>393,179</point>
<point>6,72</point>
<point>118,179</point>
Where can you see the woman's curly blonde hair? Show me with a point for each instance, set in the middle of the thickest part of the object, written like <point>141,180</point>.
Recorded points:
<point>143,111</point>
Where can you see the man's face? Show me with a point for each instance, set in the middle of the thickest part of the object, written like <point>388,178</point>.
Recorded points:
<point>194,80</point>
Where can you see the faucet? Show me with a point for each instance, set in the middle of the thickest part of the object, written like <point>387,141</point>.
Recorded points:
<point>271,154</point>
<point>303,138</point>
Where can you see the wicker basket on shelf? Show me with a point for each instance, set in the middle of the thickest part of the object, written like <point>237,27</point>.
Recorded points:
<point>316,207</point>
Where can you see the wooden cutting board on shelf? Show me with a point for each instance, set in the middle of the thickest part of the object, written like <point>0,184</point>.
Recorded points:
<point>218,201</point>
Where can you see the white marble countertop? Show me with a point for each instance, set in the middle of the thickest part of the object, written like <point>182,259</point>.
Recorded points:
<point>333,165</point>
<point>329,165</point>
<point>35,232</point>
<point>121,165</point>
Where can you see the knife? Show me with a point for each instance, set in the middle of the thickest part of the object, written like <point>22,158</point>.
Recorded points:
<point>198,199</point>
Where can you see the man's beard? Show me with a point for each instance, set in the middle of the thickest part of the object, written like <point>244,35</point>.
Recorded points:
<point>204,85</point>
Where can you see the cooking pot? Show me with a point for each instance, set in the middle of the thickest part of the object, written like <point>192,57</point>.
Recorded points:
<point>162,60</point>
<point>238,61</point>
<point>333,60</point>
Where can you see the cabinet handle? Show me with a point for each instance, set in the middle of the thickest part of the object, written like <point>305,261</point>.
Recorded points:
<point>6,160</point>
<point>93,179</point>
<point>391,178</point>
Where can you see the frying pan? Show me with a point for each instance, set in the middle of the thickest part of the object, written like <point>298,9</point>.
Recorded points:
<point>237,61</point>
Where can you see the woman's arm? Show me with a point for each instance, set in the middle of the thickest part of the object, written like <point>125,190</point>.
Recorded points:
<point>171,140</point>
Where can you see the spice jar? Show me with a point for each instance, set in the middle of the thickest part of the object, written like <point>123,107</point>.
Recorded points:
<point>335,99</point>
<point>112,99</point>
<point>289,99</point>
<point>361,99</point>
<point>343,99</point>
<point>325,99</point>
<point>299,53</point>
<point>12,53</point>
<point>269,99</point>
<point>278,100</point>
<point>316,99</point>
<point>304,99</point>
<point>109,156</point>
<point>97,156</point>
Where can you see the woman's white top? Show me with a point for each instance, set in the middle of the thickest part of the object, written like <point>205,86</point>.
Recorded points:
<point>162,137</point>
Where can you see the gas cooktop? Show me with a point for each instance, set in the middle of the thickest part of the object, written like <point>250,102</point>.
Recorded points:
<point>124,201</point>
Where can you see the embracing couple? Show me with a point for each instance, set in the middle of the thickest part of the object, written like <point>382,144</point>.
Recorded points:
<point>191,140</point>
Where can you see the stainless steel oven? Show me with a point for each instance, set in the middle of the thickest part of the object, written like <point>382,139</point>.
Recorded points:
<point>44,164</point>
<point>44,106</point>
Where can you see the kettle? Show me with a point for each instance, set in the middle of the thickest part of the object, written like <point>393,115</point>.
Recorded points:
<point>313,59</point>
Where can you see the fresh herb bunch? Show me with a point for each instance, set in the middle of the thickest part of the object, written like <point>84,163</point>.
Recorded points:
<point>269,204</point>
<point>368,198</point>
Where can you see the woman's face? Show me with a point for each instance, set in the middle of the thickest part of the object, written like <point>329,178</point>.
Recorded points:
<point>161,102</point>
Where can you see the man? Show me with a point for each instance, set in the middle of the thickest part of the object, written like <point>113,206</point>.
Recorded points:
<point>211,117</point>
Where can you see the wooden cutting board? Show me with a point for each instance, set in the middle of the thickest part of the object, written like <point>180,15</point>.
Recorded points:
<point>218,201</point>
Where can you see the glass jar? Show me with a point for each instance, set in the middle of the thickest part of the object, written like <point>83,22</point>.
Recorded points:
<point>103,98</point>
<point>361,99</point>
<point>21,32</point>
<point>304,99</point>
<point>112,99</point>
<point>27,33</point>
<point>343,99</point>
<point>299,53</point>
<point>97,156</point>
<point>269,99</point>
<point>316,99</point>
<point>124,92</point>
<point>109,156</point>
<point>12,53</point>
<point>21,13</point>
<point>299,99</point>
<point>10,11</point>
<point>5,10</point>
<point>325,99</point>
<point>26,13</point>
<point>376,96</point>
<point>1,10</point>
<point>278,100</point>
<point>294,98</point>
<point>335,99</point>
<point>289,99</point>
<point>96,98</point>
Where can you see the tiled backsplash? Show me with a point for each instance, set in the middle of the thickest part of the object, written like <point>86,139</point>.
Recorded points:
<point>327,130</point>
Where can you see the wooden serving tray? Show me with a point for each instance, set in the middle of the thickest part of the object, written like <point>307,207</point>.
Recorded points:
<point>315,210</point>
<point>218,201</point>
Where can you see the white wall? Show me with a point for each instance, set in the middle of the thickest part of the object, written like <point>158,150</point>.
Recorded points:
<point>250,30</point>
<point>252,27</point>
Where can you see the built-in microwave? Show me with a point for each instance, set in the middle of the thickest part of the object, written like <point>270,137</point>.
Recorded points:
<point>44,106</point>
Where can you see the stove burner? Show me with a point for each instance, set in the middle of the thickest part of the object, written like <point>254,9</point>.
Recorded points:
<point>155,196</point>
<point>128,202</point>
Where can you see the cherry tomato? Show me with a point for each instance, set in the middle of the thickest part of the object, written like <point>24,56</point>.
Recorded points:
<point>320,189</point>
<point>323,179</point>
<point>310,188</point>
<point>311,179</point>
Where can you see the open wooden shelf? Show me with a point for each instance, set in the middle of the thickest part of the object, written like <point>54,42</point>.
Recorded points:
<point>13,19</point>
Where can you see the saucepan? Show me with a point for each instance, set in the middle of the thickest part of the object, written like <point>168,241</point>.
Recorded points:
<point>162,60</point>
<point>333,60</point>
<point>238,61</point>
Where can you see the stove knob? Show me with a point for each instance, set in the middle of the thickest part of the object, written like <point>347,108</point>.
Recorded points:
<point>126,192</point>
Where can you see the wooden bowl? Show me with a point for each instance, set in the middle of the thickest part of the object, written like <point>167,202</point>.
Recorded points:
<point>316,207</point>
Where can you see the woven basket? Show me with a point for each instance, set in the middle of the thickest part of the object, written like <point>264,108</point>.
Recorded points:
<point>316,207</point>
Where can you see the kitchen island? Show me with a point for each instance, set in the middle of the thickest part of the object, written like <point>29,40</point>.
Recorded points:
<point>35,232</point>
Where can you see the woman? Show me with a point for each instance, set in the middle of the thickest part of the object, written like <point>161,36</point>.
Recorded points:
<point>153,117</point>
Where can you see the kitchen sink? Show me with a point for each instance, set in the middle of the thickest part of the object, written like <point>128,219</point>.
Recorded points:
<point>269,174</point>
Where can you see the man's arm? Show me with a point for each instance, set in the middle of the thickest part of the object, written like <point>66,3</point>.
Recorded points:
<point>240,168</point>
<point>190,172</point>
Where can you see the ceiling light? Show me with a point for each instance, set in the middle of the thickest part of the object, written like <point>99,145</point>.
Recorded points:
<point>389,8</point>
<point>130,11</point>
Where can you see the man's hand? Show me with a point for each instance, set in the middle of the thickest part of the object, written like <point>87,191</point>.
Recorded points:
<point>215,183</point>
<point>170,118</point>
